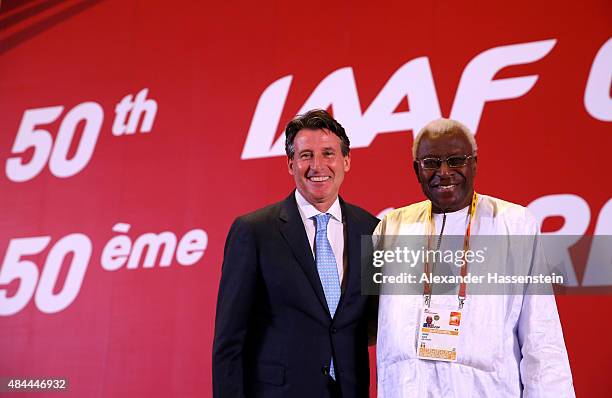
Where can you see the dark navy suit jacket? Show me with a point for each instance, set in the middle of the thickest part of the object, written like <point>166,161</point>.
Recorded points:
<point>274,335</point>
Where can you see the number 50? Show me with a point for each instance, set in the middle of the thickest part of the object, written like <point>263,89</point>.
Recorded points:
<point>26,271</point>
<point>28,136</point>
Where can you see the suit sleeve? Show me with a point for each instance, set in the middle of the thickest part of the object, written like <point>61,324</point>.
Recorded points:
<point>237,291</point>
<point>373,300</point>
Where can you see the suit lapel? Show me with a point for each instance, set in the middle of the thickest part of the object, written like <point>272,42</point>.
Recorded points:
<point>292,229</point>
<point>353,246</point>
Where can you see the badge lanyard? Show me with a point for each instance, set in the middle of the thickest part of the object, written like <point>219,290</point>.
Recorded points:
<point>466,245</point>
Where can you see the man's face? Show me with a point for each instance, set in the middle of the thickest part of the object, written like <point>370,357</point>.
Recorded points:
<point>449,189</point>
<point>318,166</point>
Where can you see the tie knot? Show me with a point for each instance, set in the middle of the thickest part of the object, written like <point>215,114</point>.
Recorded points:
<point>322,220</point>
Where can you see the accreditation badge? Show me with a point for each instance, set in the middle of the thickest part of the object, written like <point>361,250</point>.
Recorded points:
<point>439,334</point>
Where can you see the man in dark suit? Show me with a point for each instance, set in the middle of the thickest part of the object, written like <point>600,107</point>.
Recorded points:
<point>291,319</point>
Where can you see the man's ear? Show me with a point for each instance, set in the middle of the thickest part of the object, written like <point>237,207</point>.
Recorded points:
<point>474,164</point>
<point>415,166</point>
<point>347,162</point>
<point>290,165</point>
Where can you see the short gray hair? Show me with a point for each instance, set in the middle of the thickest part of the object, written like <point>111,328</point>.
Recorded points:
<point>440,127</point>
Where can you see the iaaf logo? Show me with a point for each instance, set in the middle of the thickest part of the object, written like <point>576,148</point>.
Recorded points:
<point>415,81</point>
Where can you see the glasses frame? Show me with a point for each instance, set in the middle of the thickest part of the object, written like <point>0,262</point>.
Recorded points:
<point>444,160</point>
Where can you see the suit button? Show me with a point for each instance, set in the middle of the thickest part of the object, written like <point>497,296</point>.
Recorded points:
<point>334,330</point>
<point>325,370</point>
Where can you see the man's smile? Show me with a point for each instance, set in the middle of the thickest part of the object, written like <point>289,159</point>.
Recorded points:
<point>446,187</point>
<point>318,178</point>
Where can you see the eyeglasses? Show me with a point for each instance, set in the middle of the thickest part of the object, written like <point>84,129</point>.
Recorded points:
<point>454,161</point>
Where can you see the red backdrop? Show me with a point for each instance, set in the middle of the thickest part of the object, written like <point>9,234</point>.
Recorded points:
<point>83,163</point>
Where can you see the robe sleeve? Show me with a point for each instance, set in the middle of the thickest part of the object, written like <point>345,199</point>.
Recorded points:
<point>544,366</point>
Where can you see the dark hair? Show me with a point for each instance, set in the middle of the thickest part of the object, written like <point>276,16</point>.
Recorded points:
<point>316,119</point>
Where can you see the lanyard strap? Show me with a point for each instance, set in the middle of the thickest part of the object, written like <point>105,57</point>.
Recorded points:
<point>466,245</point>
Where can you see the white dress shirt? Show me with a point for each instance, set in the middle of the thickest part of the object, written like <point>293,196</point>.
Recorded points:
<point>335,228</point>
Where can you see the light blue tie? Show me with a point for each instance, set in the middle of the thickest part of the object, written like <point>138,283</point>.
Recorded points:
<point>328,270</point>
